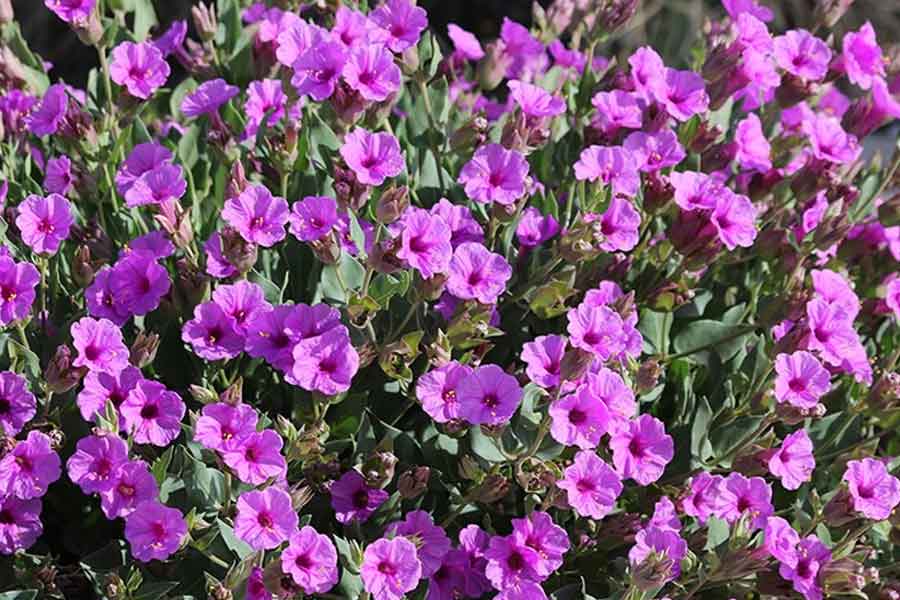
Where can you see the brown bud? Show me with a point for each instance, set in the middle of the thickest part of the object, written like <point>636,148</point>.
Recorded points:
<point>82,269</point>
<point>829,12</point>
<point>432,288</point>
<point>176,221</point>
<point>792,415</point>
<point>191,286</point>
<point>233,394</point>
<point>238,251</point>
<point>238,181</point>
<point>413,482</point>
<point>143,350</point>
<point>493,488</point>
<point>378,469</point>
<point>90,30</point>
<point>202,395</point>
<point>575,363</point>
<point>392,204</point>
<point>647,376</point>
<point>885,393</point>
<point>653,572</point>
<point>326,249</point>
<point>470,135</point>
<point>839,511</point>
<point>60,375</point>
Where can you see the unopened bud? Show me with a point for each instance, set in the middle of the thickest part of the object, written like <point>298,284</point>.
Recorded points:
<point>205,21</point>
<point>143,350</point>
<point>885,393</point>
<point>414,482</point>
<point>889,212</point>
<point>492,68</point>
<point>653,572</point>
<point>433,287</point>
<point>190,286</point>
<point>792,415</point>
<point>327,249</point>
<point>234,393</point>
<point>202,394</point>
<point>839,511</point>
<point>6,12</point>
<point>470,135</point>
<point>647,377</point>
<point>575,363</point>
<point>90,30</point>
<point>392,204</point>
<point>60,375</point>
<point>829,12</point>
<point>493,488</point>
<point>82,269</point>
<point>238,181</point>
<point>379,469</point>
<point>237,251</point>
<point>613,14</point>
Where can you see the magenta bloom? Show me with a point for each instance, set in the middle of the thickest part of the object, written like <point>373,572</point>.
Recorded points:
<point>661,543</point>
<point>875,492</point>
<point>617,110</point>
<point>216,263</point>
<point>474,541</point>
<point>318,70</point>
<point>579,419</point>
<point>608,387</point>
<point>425,242</point>
<point>268,337</point>
<point>510,562</point>
<point>212,333</point>
<point>208,97</point>
<point>800,379</point>
<point>351,27</point>
<point>157,186</point>
<point>432,543</point>
<point>265,518</point>
<point>648,73</point>
<point>653,152</point>
<point>543,358</point>
<point>794,462</point>
<point>30,467</point>
<point>835,289</point>
<point>140,68</point>
<point>138,283</point>
<point>702,500</point>
<point>100,346</point>
<point>615,167</point>
<point>256,586</point>
<point>495,174</point>
<point>44,222</point>
<point>224,427</point>
<point>781,540</point>
<point>264,97</point>
<point>154,531</point>
<point>695,191</point>
<point>242,301</point>
<point>753,148</point>
<point>152,413</point>
<point>373,156</point>
<point>311,560</point>
<point>353,500</point>
<point>100,388</point>
<point>17,404</point>
<point>390,568</point>
<point>831,331</point>
<point>535,228</point>
<point>449,581</point>
<point>371,71</point>
<point>807,559</point>
<point>258,216</point>
<point>463,226</point>
<point>17,283</point>
<point>94,464</point>
<point>488,396</point>
<point>49,115</point>
<point>465,43</point>
<point>734,218</point>
<point>541,534</point>
<point>802,54</point>
<point>684,94</point>
<point>258,458</point>
<point>597,329</point>
<point>400,24</point>
<point>326,363</point>
<point>862,57</point>
<point>739,495</point>
<point>619,226</point>
<point>527,55</point>
<point>892,297</point>
<point>133,483</point>
<point>437,390</point>
<point>20,524</point>
<point>71,11</point>
<point>58,177</point>
<point>535,102</point>
<point>736,8</point>
<point>476,273</point>
<point>142,159</point>
<point>829,141</point>
<point>591,485</point>
<point>642,450</point>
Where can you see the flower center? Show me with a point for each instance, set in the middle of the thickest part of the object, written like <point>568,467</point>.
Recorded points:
<point>515,561</point>
<point>360,499</point>
<point>577,417</point>
<point>490,400</point>
<point>5,406</point>
<point>264,520</point>
<point>9,294</point>
<point>303,561</point>
<point>149,411</point>
<point>46,227</point>
<point>584,486</point>
<point>92,352</point>
<point>796,385</point>
<point>386,568</point>
<point>126,490</point>
<point>6,517</point>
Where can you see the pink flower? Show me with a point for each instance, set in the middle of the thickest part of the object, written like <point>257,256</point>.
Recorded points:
<point>259,216</point>
<point>488,396</point>
<point>208,97</point>
<point>495,174</point>
<point>94,464</point>
<point>437,390</point>
<point>619,226</point>
<point>892,297</point>
<point>802,54</point>
<point>325,363</point>
<point>800,379</point>
<point>400,23</point>
<point>212,333</point>
<point>476,273</point>
<point>734,218</point>
<point>223,427</point>
<point>702,499</point>
<point>17,405</point>
<point>660,543</point>
<point>58,177</point>
<point>616,110</point>
<point>353,500</point>
<point>812,556</point>
<point>614,166</point>
<point>739,495</point>
<point>265,518</point>
<point>591,485</point>
<point>510,562</point>
<point>133,483</point>
<point>829,141</point>
<point>318,70</point>
<point>425,242</point>
<point>153,413</point>
<point>154,531</point>
<point>794,462</point>
<point>44,222</point>
<point>597,329</point>
<point>608,387</point>
<point>543,357</point>
<point>30,467</point>
<point>648,73</point>
<point>753,148</point>
<point>684,94</point>
<point>390,568</point>
<point>265,105</point>
<point>371,71</point>
<point>140,68</point>
<point>432,543</point>
<point>465,43</point>
<point>100,346</point>
<point>579,419</point>
<point>535,102</point>
<point>831,331</point>
<point>863,59</point>
<point>654,152</point>
<point>20,524</point>
<point>258,459</point>
<point>875,492</point>
<point>736,8</point>
<point>311,560</point>
<point>373,156</point>
<point>642,450</point>
<point>17,283</point>
<point>71,11</point>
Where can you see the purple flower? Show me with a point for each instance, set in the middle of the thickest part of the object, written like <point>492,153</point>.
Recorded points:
<point>648,73</point>
<point>266,102</point>
<point>597,329</point>
<point>390,568</point>
<point>373,156</point>
<point>100,346</point>
<point>140,68</point>
<point>351,27</point>
<point>138,283</point>
<point>535,228</point>
<point>425,242</point>
<point>736,8</point>
<point>794,462</point>
<point>608,387</point>
<point>20,524</point>
<point>154,531</point>
<point>311,560</point>
<point>49,115</point>
<point>269,337</point>
<point>161,184</point>
<point>835,289</point>
<point>781,540</point>
<point>142,159</point>
<point>242,301</point>
<point>535,102</point>
<point>100,388</point>
<point>619,225</point>
<point>474,541</point>
<point>256,586</point>
<point>96,459</point>
<point>71,11</point>
<point>463,226</point>
<point>488,396</point>
<point>892,297</point>
<point>152,413</point>
<point>862,56</point>
<point>523,589</point>
<point>543,357</point>
<point>684,94</point>
<point>171,41</point>
<point>612,166</point>
<point>476,273</point>
<point>30,467</point>
<point>265,518</point>
<point>58,177</point>
<point>802,54</point>
<point>318,70</point>
<point>353,500</point>
<point>400,24</point>
<point>665,515</point>
<point>653,152</point>
<point>313,218</point>
<point>545,537</point>
<point>831,332</point>
<point>875,492</point>
<point>216,263</point>
<point>432,543</point>
<point>701,501</point>
<point>293,37</point>
<point>661,543</point>
<point>17,404</point>
<point>465,43</point>
<point>753,148</point>
<point>495,174</point>
<point>208,97</point>
<point>212,333</point>
<point>510,562</point>
<point>371,71</point>
<point>258,458</point>
<point>326,363</point>
<point>811,557</point>
<point>223,427</point>
<point>258,216</point>
<point>449,581</point>
<point>642,450</point>
<point>133,483</point>
<point>526,53</point>
<point>579,419</point>
<point>437,390</point>
<point>591,485</point>
<point>734,218</point>
<point>695,191</point>
<point>44,222</point>
<point>829,141</point>
<point>617,110</point>
<point>739,496</point>
<point>17,283</point>
<point>800,379</point>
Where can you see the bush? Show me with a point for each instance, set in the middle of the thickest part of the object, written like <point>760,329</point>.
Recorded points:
<point>354,311</point>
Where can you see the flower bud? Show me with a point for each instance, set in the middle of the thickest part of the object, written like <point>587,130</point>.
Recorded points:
<point>839,511</point>
<point>90,30</point>
<point>470,135</point>
<point>233,394</point>
<point>143,350</point>
<point>6,12</point>
<point>379,469</point>
<point>413,482</point>
<point>492,68</point>
<point>82,269</point>
<point>885,393</point>
<point>202,395</point>
<point>469,469</point>
<point>176,221</point>
<point>653,572</point>
<point>60,375</point>
<point>494,488</point>
<point>237,183</point>
<point>392,204</point>
<point>409,61</point>
<point>793,90</point>
<point>613,14</point>
<point>326,249</point>
<point>347,103</point>
<point>647,376</point>
<point>432,288</point>
<point>191,286</point>
<point>792,415</point>
<point>575,364</point>
<point>205,21</point>
<point>843,576</point>
<point>829,12</point>
<point>238,251</point>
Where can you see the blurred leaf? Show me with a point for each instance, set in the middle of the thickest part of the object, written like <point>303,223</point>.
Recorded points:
<point>655,327</point>
<point>341,279</point>
<point>241,548</point>
<point>705,334</point>
<point>19,595</point>
<point>144,19</point>
<point>718,533</point>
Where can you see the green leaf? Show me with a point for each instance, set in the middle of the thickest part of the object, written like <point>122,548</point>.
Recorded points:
<point>188,147</point>
<point>239,547</point>
<point>161,465</point>
<point>144,19</point>
<point>718,533</point>
<point>701,449</point>
<point>19,595</point>
<point>655,327</point>
<point>339,280</point>
<point>707,335</point>
<point>384,287</point>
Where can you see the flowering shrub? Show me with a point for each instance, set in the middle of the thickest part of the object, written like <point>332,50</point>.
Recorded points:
<point>322,303</point>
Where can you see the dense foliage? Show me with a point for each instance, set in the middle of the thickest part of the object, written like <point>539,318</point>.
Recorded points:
<point>315,301</point>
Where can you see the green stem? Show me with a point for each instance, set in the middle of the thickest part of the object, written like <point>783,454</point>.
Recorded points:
<point>733,336</point>
<point>409,315</point>
<point>107,82</point>
<point>423,88</point>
